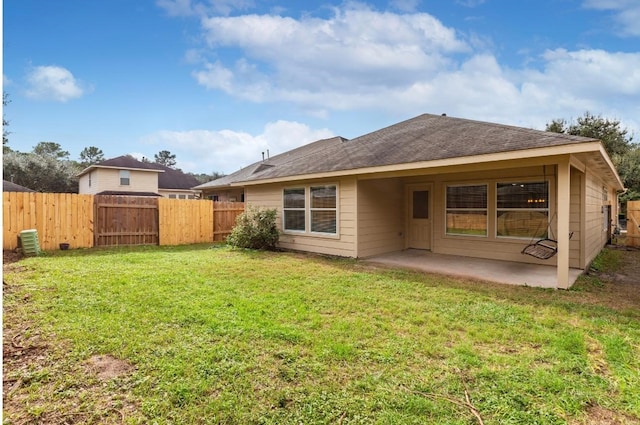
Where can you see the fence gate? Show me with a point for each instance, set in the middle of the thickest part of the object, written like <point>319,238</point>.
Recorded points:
<point>224,218</point>
<point>633,223</point>
<point>125,220</point>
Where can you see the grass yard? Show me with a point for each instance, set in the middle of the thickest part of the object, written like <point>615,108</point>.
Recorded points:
<point>190,335</point>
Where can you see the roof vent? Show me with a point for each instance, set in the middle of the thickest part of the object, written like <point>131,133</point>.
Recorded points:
<point>444,115</point>
<point>262,167</point>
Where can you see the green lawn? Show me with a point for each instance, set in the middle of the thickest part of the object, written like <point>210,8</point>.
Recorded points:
<point>214,335</point>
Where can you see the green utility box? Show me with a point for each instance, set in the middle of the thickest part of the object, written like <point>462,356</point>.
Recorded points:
<point>29,241</point>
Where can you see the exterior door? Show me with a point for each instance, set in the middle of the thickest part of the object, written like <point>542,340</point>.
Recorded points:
<point>419,220</point>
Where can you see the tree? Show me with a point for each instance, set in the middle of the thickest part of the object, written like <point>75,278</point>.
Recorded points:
<point>90,156</point>
<point>50,149</point>
<point>616,140</point>
<point>165,158</point>
<point>5,123</point>
<point>204,178</point>
<point>43,173</point>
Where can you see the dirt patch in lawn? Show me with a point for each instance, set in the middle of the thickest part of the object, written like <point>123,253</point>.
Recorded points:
<point>107,367</point>
<point>597,415</point>
<point>619,289</point>
<point>34,361</point>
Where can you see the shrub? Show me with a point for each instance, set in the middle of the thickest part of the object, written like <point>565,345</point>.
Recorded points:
<point>255,229</point>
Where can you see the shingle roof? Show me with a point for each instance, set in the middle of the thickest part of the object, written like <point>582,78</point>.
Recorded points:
<point>423,138</point>
<point>8,186</point>
<point>127,161</point>
<point>302,153</point>
<point>175,179</point>
<point>128,193</point>
<point>168,178</point>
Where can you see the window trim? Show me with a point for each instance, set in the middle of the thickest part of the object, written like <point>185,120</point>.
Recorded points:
<point>308,209</point>
<point>311,209</point>
<point>128,177</point>
<point>303,209</point>
<point>486,209</point>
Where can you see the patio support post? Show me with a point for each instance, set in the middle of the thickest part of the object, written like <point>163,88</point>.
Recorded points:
<point>562,206</point>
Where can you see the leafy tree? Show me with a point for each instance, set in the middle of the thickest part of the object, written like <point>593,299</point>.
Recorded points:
<point>90,156</point>
<point>5,123</point>
<point>165,158</point>
<point>204,178</point>
<point>616,140</point>
<point>629,170</point>
<point>43,173</point>
<point>50,149</point>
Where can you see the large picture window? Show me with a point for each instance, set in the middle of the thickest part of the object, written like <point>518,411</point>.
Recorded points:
<point>522,209</point>
<point>294,209</point>
<point>466,208</point>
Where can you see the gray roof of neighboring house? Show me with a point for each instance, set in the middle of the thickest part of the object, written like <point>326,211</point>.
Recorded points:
<point>423,138</point>
<point>8,186</point>
<point>128,193</point>
<point>168,178</point>
<point>246,173</point>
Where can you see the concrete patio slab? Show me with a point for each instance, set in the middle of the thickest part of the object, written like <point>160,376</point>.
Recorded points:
<point>508,272</point>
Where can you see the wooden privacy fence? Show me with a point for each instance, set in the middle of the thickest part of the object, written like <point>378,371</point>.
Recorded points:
<point>58,218</point>
<point>185,221</point>
<point>224,218</point>
<point>633,223</point>
<point>125,220</point>
<point>84,221</point>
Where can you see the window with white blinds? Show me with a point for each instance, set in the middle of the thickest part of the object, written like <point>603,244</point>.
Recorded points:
<point>294,210</point>
<point>312,209</point>
<point>323,209</point>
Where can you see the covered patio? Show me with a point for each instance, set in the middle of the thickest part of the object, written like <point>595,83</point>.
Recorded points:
<point>508,272</point>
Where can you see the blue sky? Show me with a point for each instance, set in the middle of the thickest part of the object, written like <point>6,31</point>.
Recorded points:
<point>217,82</point>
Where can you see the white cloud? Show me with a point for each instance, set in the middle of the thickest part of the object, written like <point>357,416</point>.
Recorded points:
<point>626,14</point>
<point>53,83</point>
<point>406,64</point>
<point>227,150</point>
<point>354,52</point>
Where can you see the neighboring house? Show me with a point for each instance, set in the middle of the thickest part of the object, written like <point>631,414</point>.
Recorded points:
<point>8,186</point>
<point>449,185</point>
<point>125,175</point>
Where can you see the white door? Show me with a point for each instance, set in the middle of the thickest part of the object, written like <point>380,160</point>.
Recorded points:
<point>419,228</point>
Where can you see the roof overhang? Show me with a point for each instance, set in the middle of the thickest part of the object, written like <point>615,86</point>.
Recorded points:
<point>109,167</point>
<point>591,154</point>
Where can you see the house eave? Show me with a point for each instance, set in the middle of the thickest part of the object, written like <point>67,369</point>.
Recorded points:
<point>109,167</point>
<point>526,156</point>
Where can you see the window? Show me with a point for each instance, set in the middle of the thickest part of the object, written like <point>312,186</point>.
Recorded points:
<point>294,209</point>
<point>90,178</point>
<point>522,209</point>
<point>124,178</point>
<point>420,204</point>
<point>466,210</point>
<point>311,209</point>
<point>323,209</point>
<point>172,196</point>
